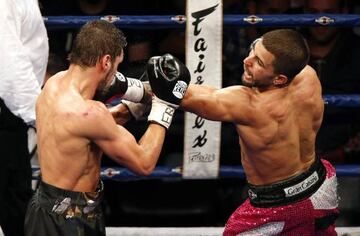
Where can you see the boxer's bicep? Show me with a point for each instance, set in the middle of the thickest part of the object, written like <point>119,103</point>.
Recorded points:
<point>114,140</point>
<point>121,146</point>
<point>231,104</point>
<point>140,157</point>
<point>204,101</point>
<point>120,113</point>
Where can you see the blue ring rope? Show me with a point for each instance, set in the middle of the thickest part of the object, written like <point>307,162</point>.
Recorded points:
<point>342,100</point>
<point>178,21</point>
<point>124,174</point>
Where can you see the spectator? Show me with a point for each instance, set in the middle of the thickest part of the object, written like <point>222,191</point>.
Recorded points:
<point>335,55</point>
<point>24,48</point>
<point>335,52</point>
<point>60,40</point>
<point>267,7</point>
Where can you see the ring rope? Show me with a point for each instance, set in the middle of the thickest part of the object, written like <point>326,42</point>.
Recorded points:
<point>177,21</point>
<point>236,171</point>
<point>342,100</point>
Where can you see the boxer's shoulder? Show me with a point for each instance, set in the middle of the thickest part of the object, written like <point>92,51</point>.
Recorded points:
<point>91,110</point>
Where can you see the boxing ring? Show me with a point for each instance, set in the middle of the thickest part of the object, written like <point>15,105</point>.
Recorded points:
<point>178,21</point>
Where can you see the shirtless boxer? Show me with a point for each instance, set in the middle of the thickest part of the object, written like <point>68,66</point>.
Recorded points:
<point>277,115</point>
<point>74,131</point>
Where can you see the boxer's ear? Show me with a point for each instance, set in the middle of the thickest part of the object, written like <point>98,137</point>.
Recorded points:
<point>105,62</point>
<point>280,80</point>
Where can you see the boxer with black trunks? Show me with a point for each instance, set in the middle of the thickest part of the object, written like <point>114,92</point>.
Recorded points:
<point>73,131</point>
<point>277,114</point>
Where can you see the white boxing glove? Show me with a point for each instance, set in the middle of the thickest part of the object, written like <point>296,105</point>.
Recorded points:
<point>161,112</point>
<point>137,110</point>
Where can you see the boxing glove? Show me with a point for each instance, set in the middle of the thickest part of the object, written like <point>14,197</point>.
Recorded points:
<point>139,110</point>
<point>123,87</point>
<point>169,79</point>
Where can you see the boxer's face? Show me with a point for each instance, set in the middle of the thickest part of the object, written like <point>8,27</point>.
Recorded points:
<point>111,73</point>
<point>109,76</point>
<point>258,68</point>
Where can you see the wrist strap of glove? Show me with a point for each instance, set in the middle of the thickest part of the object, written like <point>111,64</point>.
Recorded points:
<point>137,110</point>
<point>161,112</point>
<point>122,87</point>
<point>134,91</point>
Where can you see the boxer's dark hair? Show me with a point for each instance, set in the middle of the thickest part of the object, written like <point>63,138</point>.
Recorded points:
<point>94,40</point>
<point>290,50</point>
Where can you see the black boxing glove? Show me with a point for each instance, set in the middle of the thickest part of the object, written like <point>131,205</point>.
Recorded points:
<point>169,79</point>
<point>126,88</point>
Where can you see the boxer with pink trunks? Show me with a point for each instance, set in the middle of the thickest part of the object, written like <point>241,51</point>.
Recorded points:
<point>277,112</point>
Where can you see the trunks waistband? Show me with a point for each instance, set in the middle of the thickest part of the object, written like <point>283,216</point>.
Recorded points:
<point>290,190</point>
<point>70,203</point>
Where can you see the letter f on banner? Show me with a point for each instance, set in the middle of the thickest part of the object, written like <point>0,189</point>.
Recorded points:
<point>204,21</point>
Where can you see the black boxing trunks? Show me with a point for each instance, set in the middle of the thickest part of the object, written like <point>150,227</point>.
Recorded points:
<point>290,190</point>
<point>306,204</point>
<point>54,211</point>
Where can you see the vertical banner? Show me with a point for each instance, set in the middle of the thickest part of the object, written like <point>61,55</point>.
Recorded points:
<point>204,20</point>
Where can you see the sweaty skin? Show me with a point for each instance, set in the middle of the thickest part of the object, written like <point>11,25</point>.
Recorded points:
<point>73,131</point>
<point>277,126</point>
